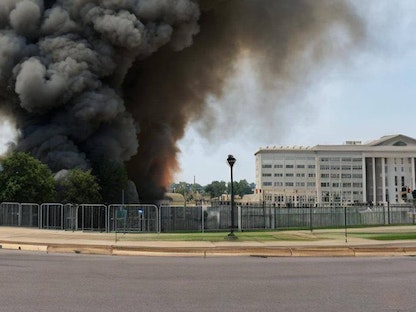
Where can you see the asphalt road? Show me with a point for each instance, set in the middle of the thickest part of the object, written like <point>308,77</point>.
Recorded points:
<point>33,281</point>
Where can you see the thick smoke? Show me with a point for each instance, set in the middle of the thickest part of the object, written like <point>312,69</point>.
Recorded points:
<point>123,78</point>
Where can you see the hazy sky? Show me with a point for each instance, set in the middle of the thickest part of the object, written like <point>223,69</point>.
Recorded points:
<point>372,95</point>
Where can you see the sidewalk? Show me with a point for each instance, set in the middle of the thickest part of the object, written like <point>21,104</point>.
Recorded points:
<point>57,241</point>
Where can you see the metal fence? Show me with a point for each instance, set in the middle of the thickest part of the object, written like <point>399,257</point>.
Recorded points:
<point>133,218</point>
<point>165,218</point>
<point>181,218</point>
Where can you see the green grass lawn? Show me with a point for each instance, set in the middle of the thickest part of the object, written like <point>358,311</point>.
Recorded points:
<point>299,235</point>
<point>219,236</point>
<point>386,236</point>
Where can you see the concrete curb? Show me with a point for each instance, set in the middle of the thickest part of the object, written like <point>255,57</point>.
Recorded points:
<point>23,246</point>
<point>264,252</point>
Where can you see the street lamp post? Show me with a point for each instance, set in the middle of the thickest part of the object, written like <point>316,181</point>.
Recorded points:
<point>231,161</point>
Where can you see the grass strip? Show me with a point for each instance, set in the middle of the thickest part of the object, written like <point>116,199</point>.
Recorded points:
<point>219,236</point>
<point>386,236</point>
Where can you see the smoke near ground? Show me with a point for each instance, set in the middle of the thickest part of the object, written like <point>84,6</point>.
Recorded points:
<point>123,78</point>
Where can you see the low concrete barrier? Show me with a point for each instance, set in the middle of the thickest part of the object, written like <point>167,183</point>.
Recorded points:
<point>26,247</point>
<point>257,251</point>
<point>323,252</point>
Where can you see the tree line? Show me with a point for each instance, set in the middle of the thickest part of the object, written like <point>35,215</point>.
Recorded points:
<point>214,189</point>
<point>24,178</point>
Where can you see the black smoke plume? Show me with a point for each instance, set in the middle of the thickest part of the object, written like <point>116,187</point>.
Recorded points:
<point>123,78</point>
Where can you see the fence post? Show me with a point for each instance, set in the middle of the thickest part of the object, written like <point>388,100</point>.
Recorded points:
<point>239,217</point>
<point>202,219</point>
<point>159,218</point>
<point>310,217</point>
<point>388,212</point>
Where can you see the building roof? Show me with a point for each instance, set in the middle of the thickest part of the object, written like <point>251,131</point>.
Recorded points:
<point>384,144</point>
<point>393,140</point>
<point>175,198</point>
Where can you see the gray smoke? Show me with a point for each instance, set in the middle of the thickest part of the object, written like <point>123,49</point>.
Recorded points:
<point>123,78</point>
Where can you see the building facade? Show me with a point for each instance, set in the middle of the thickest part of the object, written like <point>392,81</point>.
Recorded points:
<point>376,172</point>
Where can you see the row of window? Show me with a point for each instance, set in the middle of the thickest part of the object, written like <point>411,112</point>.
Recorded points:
<point>313,175</point>
<point>322,167</point>
<point>342,176</point>
<point>345,184</point>
<point>337,159</point>
<point>291,198</point>
<point>337,167</point>
<point>289,166</point>
<point>313,184</point>
<point>298,175</point>
<point>298,184</point>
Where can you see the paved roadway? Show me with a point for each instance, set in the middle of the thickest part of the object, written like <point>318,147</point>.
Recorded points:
<point>35,281</point>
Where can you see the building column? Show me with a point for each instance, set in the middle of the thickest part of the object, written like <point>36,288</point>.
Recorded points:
<point>318,181</point>
<point>383,176</point>
<point>364,173</point>
<point>373,160</point>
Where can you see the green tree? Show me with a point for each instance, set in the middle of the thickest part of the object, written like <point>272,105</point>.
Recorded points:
<point>189,191</point>
<point>243,187</point>
<point>25,179</point>
<point>216,188</point>
<point>112,178</point>
<point>181,188</point>
<point>78,187</point>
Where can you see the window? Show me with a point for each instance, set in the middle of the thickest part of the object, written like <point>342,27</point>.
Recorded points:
<point>289,174</point>
<point>325,175</point>
<point>278,166</point>
<point>266,166</point>
<point>311,166</point>
<point>300,166</point>
<point>311,175</point>
<point>300,175</point>
<point>278,174</point>
<point>267,184</point>
<point>267,175</point>
<point>289,166</point>
<point>289,184</point>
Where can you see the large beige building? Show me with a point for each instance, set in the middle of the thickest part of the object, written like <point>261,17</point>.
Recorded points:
<point>375,172</point>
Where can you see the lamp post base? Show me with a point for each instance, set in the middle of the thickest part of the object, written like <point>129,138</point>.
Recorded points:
<point>231,236</point>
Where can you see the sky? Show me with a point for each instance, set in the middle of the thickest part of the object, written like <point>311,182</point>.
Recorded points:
<point>371,95</point>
